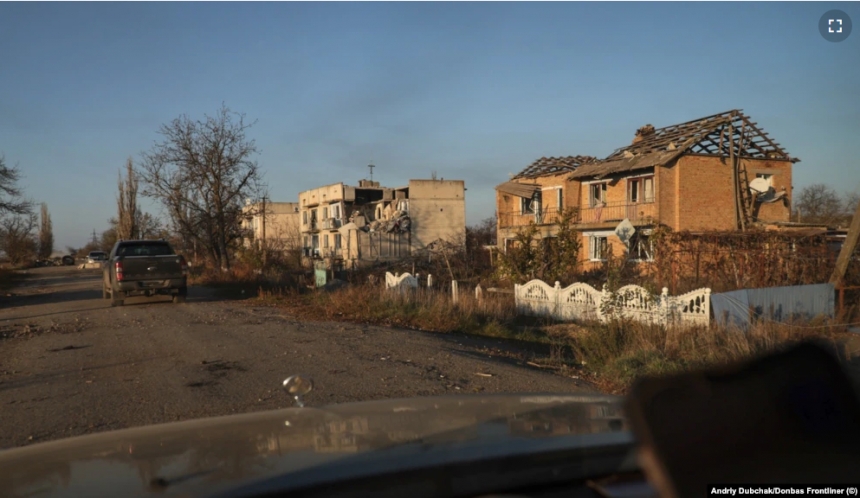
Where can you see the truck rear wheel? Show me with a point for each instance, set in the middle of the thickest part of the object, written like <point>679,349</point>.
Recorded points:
<point>180,296</point>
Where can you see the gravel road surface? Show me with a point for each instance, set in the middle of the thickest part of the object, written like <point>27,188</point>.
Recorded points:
<point>70,364</point>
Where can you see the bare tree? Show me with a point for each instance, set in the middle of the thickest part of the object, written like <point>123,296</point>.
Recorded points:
<point>107,240</point>
<point>150,227</point>
<point>201,171</point>
<point>127,211</point>
<point>11,197</point>
<point>17,237</point>
<point>46,234</point>
<point>819,203</point>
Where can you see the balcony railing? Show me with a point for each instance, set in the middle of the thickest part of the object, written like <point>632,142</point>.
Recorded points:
<point>617,211</point>
<point>634,211</point>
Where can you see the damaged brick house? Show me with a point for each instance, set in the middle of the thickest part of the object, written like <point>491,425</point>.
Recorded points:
<point>347,226</point>
<point>721,172</point>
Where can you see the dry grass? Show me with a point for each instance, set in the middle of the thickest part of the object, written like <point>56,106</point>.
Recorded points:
<point>610,354</point>
<point>616,353</point>
<point>422,309</point>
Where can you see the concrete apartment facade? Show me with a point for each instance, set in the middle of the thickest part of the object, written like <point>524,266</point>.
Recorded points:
<point>721,172</point>
<point>282,227</point>
<point>355,225</point>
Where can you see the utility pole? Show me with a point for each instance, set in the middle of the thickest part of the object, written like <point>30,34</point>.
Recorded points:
<point>95,240</point>
<point>264,231</point>
<point>371,166</point>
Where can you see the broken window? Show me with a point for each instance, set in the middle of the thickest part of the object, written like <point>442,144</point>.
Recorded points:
<point>597,194</point>
<point>530,206</point>
<point>641,247</point>
<point>766,177</point>
<point>598,247</point>
<point>640,189</point>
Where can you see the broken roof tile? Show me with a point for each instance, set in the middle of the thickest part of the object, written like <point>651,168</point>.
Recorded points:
<point>553,165</point>
<point>708,135</point>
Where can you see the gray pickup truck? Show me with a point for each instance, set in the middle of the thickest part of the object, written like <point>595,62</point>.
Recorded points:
<point>144,268</point>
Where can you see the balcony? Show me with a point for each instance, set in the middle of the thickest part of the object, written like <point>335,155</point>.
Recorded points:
<point>617,211</point>
<point>610,212</point>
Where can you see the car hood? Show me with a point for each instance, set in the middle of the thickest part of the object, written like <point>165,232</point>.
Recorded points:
<point>214,455</point>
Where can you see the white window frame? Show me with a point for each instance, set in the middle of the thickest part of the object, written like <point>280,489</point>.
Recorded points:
<point>592,238</point>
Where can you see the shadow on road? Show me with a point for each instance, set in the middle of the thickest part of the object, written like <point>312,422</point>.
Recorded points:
<point>51,298</point>
<point>44,377</point>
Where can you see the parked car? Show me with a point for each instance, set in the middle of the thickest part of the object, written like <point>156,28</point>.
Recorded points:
<point>96,256</point>
<point>144,267</point>
<point>68,260</point>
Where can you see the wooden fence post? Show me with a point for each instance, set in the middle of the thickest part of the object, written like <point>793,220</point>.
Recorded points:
<point>479,293</point>
<point>454,293</point>
<point>429,280</point>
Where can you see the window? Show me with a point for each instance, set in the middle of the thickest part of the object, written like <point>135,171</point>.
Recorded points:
<point>337,242</point>
<point>304,218</point>
<point>325,241</point>
<point>598,247</point>
<point>315,241</point>
<point>640,189</point>
<point>335,211</point>
<point>305,242</point>
<point>530,206</point>
<point>641,247</point>
<point>144,249</point>
<point>597,194</point>
<point>767,177</point>
<point>559,199</point>
<point>325,213</point>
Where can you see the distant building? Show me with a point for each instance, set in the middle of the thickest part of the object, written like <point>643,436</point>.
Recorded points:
<point>353,225</point>
<point>282,229</point>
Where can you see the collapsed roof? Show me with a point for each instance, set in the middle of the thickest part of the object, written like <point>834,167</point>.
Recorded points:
<point>546,166</point>
<point>707,136</point>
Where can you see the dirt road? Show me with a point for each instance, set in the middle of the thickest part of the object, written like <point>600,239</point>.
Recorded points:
<point>71,365</point>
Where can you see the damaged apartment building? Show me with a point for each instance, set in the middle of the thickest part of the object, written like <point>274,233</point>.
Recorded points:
<point>348,226</point>
<point>720,172</point>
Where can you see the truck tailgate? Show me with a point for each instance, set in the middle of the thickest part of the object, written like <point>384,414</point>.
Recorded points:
<point>151,267</point>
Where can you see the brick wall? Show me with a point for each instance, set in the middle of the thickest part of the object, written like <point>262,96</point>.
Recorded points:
<point>781,171</point>
<point>508,203</point>
<point>705,193</point>
<point>666,187</point>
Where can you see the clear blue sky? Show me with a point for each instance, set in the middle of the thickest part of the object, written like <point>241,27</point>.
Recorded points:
<point>471,90</point>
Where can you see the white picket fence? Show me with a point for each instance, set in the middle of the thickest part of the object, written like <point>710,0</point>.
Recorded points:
<point>581,301</point>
